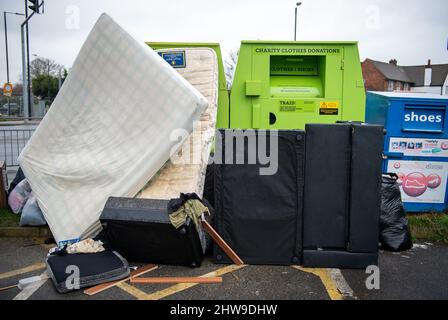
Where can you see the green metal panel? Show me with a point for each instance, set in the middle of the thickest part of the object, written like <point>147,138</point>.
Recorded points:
<point>284,85</point>
<point>354,95</point>
<point>223,95</point>
<point>253,88</point>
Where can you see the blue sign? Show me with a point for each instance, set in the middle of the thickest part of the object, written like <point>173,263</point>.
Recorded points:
<point>64,243</point>
<point>176,59</point>
<point>423,119</point>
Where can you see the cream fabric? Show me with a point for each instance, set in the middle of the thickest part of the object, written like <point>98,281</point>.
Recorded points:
<point>187,172</point>
<point>85,246</point>
<point>108,130</point>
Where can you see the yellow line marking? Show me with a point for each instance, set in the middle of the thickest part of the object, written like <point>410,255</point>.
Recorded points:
<point>140,295</point>
<point>34,267</point>
<point>133,291</point>
<point>324,276</point>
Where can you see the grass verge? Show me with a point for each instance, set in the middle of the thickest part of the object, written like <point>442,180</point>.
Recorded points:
<point>429,227</point>
<point>8,219</point>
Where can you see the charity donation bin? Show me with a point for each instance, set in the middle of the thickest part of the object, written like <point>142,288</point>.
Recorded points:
<point>285,85</point>
<point>416,145</point>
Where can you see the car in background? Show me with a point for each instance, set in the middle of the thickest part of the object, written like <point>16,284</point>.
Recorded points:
<point>12,109</point>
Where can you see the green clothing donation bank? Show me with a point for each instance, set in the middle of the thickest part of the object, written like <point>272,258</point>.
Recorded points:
<point>284,85</point>
<point>287,84</point>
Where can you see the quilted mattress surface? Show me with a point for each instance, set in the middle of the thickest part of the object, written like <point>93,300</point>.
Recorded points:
<point>186,171</point>
<point>108,130</point>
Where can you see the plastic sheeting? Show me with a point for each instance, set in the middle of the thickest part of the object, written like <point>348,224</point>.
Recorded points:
<point>186,174</point>
<point>108,130</point>
<point>19,196</point>
<point>31,213</point>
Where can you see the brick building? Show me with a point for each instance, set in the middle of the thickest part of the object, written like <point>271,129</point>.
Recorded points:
<point>382,76</point>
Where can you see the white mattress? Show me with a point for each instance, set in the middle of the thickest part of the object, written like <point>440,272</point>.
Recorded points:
<point>186,173</point>
<point>108,130</point>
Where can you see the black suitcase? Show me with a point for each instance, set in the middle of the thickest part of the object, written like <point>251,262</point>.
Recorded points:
<point>71,272</point>
<point>140,229</point>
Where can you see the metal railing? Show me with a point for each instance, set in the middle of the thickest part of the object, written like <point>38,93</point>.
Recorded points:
<point>12,141</point>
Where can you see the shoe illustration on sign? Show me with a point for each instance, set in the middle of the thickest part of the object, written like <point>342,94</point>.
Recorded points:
<point>434,181</point>
<point>415,184</point>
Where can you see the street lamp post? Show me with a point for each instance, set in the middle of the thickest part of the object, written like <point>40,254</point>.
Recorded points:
<point>6,46</point>
<point>298,4</point>
<point>26,56</point>
<point>25,91</point>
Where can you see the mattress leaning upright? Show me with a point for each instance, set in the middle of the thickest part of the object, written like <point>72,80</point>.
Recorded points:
<point>186,171</point>
<point>108,130</point>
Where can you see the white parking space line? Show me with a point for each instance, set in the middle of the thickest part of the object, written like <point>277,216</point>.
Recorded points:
<point>29,291</point>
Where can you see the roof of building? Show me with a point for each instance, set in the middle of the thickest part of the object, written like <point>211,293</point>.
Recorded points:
<point>417,74</point>
<point>392,72</point>
<point>412,74</point>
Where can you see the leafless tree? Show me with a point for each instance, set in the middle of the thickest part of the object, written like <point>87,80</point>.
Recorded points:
<point>44,66</point>
<point>230,66</point>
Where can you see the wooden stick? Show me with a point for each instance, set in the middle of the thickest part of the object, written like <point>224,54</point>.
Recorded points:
<point>178,280</point>
<point>104,286</point>
<point>7,288</point>
<point>222,244</point>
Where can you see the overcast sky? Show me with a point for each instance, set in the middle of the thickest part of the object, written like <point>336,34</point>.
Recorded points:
<point>409,30</point>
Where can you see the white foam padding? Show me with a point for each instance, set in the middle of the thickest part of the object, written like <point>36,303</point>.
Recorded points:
<point>108,130</point>
<point>186,172</point>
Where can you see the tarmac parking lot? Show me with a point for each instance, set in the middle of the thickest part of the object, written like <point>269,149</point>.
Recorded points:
<point>419,273</point>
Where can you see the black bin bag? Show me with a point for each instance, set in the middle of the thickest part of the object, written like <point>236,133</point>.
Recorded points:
<point>394,230</point>
<point>260,214</point>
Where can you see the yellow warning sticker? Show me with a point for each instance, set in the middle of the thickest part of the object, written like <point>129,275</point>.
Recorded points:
<point>329,105</point>
<point>329,108</point>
